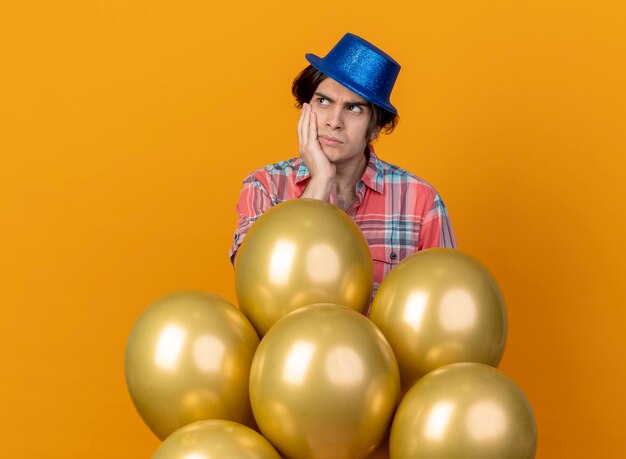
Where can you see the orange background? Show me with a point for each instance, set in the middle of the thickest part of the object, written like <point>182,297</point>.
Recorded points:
<point>126,128</point>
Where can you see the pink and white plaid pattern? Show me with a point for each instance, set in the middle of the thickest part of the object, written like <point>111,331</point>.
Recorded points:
<point>397,212</point>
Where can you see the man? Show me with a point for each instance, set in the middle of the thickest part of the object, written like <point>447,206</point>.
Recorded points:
<point>344,101</point>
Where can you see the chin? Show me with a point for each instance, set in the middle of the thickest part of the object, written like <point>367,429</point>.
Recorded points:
<point>331,153</point>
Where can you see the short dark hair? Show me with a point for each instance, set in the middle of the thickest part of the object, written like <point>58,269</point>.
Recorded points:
<point>306,83</point>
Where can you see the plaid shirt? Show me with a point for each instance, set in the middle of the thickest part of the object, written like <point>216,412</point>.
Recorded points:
<point>397,212</point>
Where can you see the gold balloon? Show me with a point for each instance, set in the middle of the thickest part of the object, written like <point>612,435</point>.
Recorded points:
<point>464,410</point>
<point>188,358</point>
<point>301,252</point>
<point>215,439</point>
<point>440,306</point>
<point>324,384</point>
<point>382,451</point>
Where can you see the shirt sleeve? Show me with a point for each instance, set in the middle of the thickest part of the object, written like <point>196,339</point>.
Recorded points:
<point>254,200</point>
<point>436,230</point>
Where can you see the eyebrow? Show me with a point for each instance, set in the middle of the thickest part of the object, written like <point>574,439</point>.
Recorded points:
<point>358,103</point>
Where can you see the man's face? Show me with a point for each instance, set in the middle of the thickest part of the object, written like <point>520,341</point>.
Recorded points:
<point>342,121</point>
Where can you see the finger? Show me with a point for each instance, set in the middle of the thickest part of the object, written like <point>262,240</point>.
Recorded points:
<point>300,124</point>
<point>305,125</point>
<point>312,128</point>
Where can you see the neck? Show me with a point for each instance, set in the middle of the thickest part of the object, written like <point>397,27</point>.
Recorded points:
<point>348,175</point>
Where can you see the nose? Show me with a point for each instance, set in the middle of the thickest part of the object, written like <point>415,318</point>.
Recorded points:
<point>334,119</point>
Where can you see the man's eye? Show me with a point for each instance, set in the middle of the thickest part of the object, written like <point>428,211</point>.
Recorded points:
<point>322,101</point>
<point>355,108</point>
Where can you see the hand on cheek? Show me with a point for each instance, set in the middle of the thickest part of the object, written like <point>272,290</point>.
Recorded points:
<point>310,149</point>
<point>321,169</point>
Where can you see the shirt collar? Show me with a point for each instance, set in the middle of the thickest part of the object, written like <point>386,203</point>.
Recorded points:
<point>372,177</point>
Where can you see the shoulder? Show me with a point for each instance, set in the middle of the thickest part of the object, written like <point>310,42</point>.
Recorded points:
<point>281,168</point>
<point>393,174</point>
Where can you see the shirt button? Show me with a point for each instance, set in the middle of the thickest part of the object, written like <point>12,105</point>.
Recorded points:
<point>393,255</point>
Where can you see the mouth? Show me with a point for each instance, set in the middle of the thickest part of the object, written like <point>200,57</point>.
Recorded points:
<point>328,140</point>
